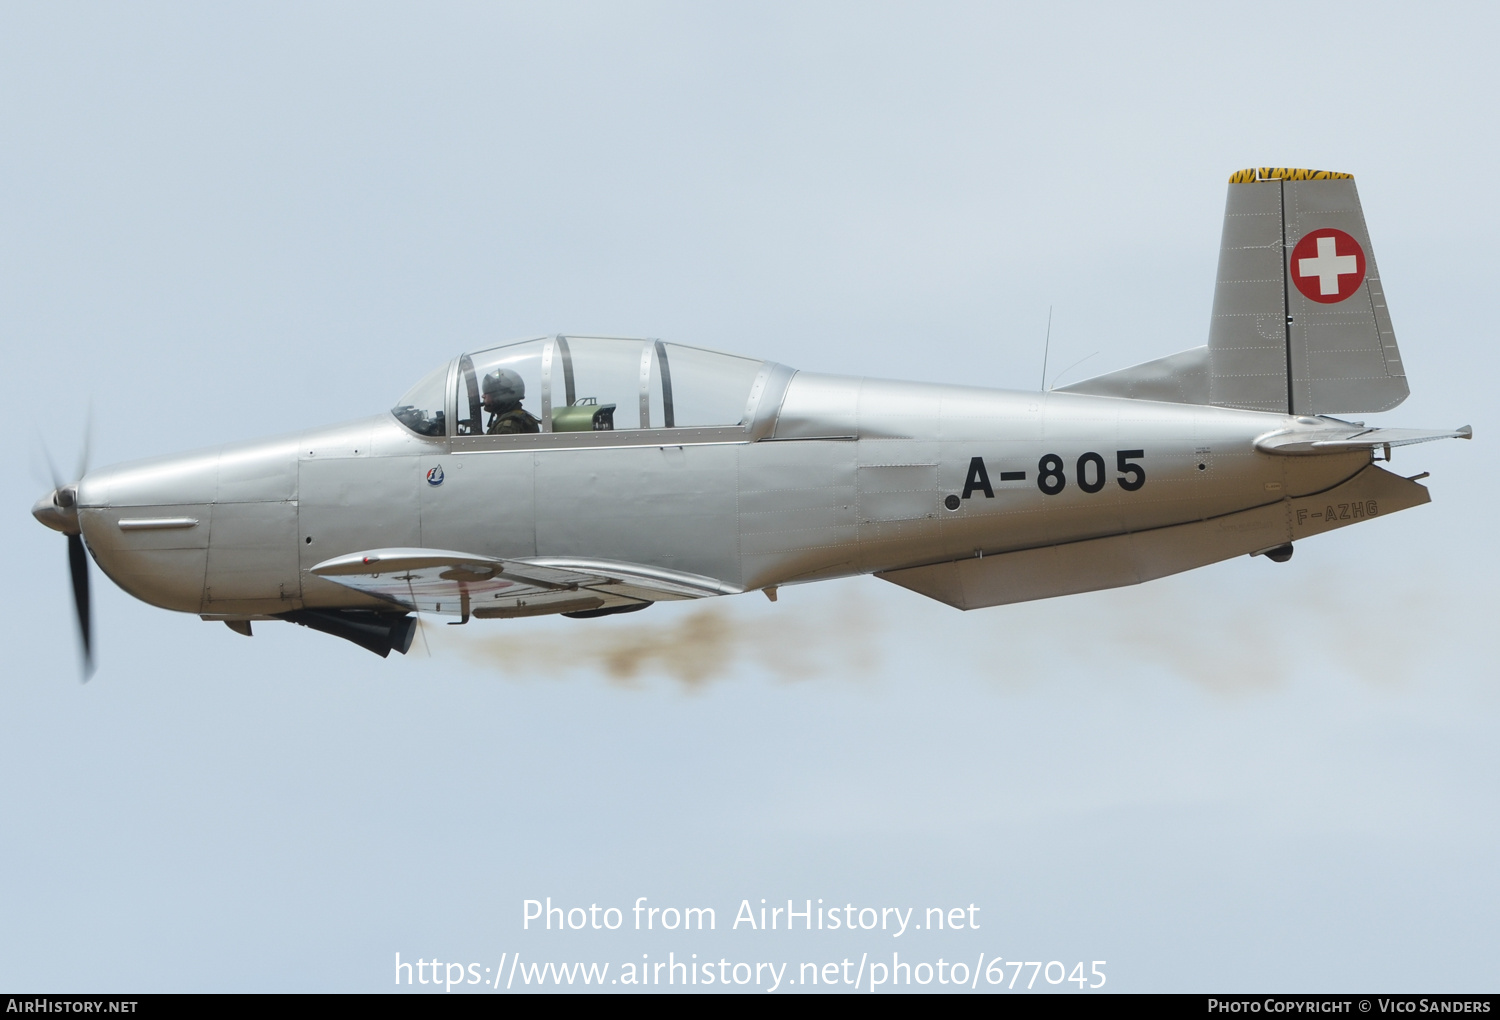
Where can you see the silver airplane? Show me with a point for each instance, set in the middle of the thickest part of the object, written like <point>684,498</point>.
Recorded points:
<point>590,476</point>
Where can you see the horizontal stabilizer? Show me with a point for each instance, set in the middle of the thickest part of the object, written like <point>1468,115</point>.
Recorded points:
<point>463,584</point>
<point>1351,437</point>
<point>1119,560</point>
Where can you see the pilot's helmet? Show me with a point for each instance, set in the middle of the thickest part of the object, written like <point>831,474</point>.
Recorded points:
<point>505,386</point>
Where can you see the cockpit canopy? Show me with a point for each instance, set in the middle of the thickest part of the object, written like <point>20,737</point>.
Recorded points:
<point>582,384</point>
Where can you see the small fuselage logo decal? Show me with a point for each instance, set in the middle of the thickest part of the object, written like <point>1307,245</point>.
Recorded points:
<point>435,476</point>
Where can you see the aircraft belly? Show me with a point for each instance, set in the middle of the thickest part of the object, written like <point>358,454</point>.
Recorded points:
<point>664,506</point>
<point>1303,475</point>
<point>1125,559</point>
<point>352,503</point>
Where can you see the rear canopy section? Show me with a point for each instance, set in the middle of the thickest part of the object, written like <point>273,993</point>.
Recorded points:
<point>586,384</point>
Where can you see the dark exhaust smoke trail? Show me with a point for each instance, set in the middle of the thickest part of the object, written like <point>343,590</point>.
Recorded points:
<point>1220,634</point>
<point>694,645</point>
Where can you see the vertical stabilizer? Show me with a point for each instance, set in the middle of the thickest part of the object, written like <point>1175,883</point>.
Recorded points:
<point>1299,317</point>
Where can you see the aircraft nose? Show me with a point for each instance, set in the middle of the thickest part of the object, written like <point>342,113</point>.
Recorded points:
<point>58,509</point>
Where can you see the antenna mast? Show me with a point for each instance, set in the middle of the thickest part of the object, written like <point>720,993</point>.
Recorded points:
<point>1047,349</point>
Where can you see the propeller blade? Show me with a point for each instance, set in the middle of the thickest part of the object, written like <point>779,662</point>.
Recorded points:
<point>51,467</point>
<point>88,441</point>
<point>78,562</point>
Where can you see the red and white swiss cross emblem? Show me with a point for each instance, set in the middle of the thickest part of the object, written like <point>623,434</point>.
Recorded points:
<point>1328,265</point>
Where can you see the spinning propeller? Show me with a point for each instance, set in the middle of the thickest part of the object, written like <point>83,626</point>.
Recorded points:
<point>58,510</point>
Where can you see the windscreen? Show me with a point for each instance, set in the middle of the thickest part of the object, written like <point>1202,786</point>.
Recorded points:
<point>421,409</point>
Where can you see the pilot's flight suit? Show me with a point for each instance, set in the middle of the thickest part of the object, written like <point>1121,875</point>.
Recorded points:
<point>513,421</point>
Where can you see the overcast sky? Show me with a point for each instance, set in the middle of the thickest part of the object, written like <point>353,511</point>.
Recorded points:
<point>219,222</point>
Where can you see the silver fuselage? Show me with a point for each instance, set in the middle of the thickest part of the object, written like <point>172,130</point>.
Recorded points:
<point>842,476</point>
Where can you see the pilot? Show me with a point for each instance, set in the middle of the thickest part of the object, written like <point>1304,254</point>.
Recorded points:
<point>503,392</point>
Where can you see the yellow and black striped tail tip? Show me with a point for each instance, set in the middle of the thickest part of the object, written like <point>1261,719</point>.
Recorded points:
<point>1285,173</point>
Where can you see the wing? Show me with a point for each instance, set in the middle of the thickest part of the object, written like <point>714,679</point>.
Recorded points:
<point>463,584</point>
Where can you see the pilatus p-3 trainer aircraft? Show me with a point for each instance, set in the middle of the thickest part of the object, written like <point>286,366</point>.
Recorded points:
<point>588,475</point>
